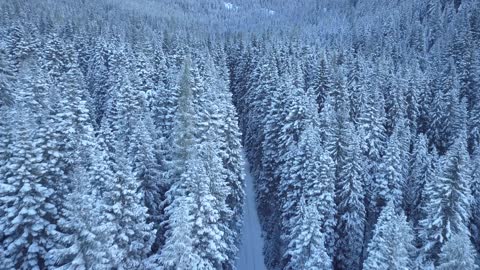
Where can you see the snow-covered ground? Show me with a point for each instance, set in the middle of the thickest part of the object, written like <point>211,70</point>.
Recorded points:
<point>251,250</point>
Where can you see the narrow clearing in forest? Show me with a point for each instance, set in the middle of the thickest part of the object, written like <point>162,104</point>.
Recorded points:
<point>251,250</point>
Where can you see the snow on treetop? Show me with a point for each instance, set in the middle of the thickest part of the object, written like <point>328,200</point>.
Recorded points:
<point>230,6</point>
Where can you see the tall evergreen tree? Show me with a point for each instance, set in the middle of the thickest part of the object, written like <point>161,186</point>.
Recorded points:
<point>449,200</point>
<point>6,80</point>
<point>458,253</point>
<point>350,195</point>
<point>322,82</point>
<point>27,197</point>
<point>210,230</point>
<point>268,179</point>
<point>306,247</point>
<point>176,155</point>
<point>419,174</point>
<point>98,81</point>
<point>311,176</point>
<point>391,246</point>
<point>391,184</point>
<point>86,241</point>
<point>125,205</point>
<point>475,186</point>
<point>178,250</point>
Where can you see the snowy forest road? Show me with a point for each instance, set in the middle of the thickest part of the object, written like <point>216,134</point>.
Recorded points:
<point>251,250</point>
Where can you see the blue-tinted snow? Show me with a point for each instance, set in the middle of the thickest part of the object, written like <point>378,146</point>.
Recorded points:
<point>251,250</point>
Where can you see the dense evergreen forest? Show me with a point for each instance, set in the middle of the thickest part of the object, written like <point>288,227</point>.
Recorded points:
<point>125,126</point>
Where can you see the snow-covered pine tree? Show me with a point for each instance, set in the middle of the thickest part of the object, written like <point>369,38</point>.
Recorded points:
<point>354,84</point>
<point>391,246</point>
<point>474,123</point>
<point>475,186</point>
<point>163,108</point>
<point>372,125</point>
<point>13,43</point>
<point>73,115</point>
<point>448,200</point>
<point>194,190</point>
<point>178,250</point>
<point>144,72</point>
<point>210,230</point>
<point>311,175</point>
<point>447,113</point>
<point>390,184</point>
<point>129,117</point>
<point>326,201</point>
<point>268,180</point>
<point>327,125</point>
<point>177,152</point>
<point>81,240</point>
<point>350,195</point>
<point>213,215</point>
<point>220,128</point>
<point>458,253</point>
<point>6,80</point>
<point>165,95</point>
<point>340,140</point>
<point>21,45</point>
<point>306,248</point>
<point>126,127</point>
<point>300,113</point>
<point>125,206</point>
<point>145,167</point>
<point>373,139</point>
<point>394,93</point>
<point>132,109</point>
<point>112,125</point>
<point>27,197</point>
<point>413,91</point>
<point>263,82</point>
<point>54,58</point>
<point>436,118</point>
<point>420,163</point>
<point>200,193</point>
<point>457,114</point>
<point>183,134</point>
<point>98,80</point>
<point>322,82</point>
<point>85,241</point>
<point>233,163</point>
